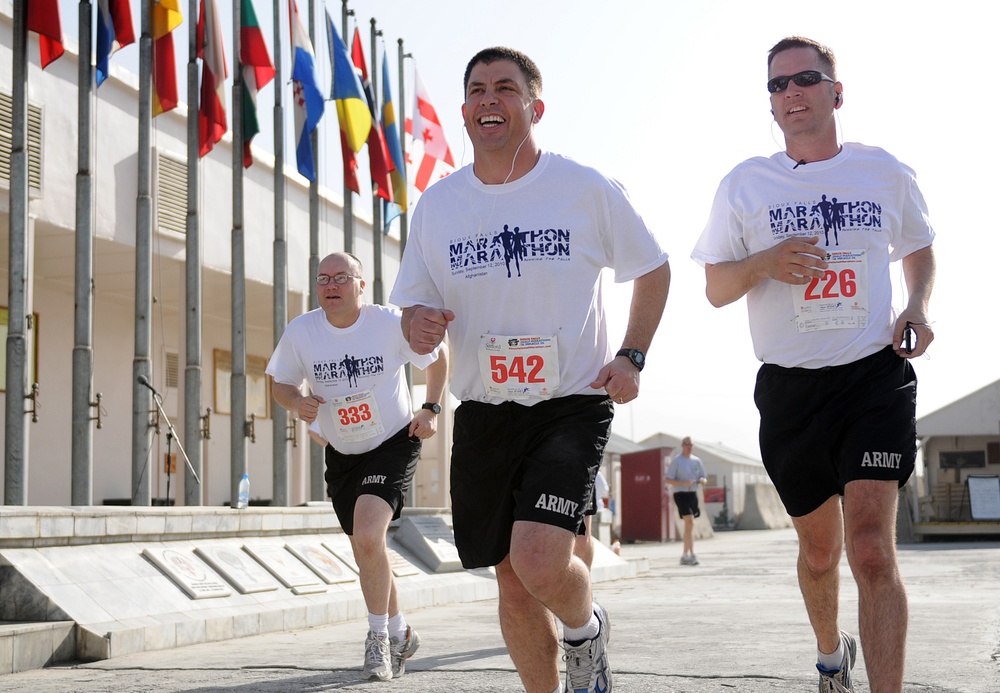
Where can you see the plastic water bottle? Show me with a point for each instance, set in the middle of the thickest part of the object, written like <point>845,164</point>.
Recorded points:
<point>244,495</point>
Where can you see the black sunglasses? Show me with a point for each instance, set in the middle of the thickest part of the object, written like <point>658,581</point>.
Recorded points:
<point>806,78</point>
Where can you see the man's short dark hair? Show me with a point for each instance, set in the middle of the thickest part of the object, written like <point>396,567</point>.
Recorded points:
<point>826,57</point>
<point>527,66</point>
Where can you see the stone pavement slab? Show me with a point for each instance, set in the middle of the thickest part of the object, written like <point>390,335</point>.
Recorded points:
<point>733,624</point>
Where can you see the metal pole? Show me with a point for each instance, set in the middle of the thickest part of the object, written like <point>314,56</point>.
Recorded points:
<point>192,279</point>
<point>142,402</point>
<point>401,124</point>
<point>15,425</point>
<point>238,386</point>
<point>348,199</point>
<point>83,353</point>
<point>279,418</point>
<point>377,288</point>
<point>317,483</point>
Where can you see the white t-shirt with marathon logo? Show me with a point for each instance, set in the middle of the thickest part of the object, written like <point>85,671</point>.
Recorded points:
<point>867,210</point>
<point>520,265</point>
<point>358,370</point>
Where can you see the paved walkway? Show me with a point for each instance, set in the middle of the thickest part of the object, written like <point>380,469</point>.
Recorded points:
<point>734,624</point>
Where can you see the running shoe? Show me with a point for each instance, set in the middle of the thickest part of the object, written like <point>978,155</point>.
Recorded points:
<point>587,668</point>
<point>402,650</point>
<point>693,560</point>
<point>377,658</point>
<point>839,680</point>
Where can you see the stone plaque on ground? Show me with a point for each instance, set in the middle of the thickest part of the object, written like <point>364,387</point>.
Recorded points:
<point>400,565</point>
<point>232,563</point>
<point>189,572</point>
<point>340,546</point>
<point>431,540</point>
<point>322,562</point>
<point>289,570</point>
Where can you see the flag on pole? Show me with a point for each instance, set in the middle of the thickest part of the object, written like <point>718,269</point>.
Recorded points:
<point>212,109</point>
<point>166,16</point>
<point>378,158</point>
<point>392,145</point>
<point>258,70</point>
<point>430,156</point>
<point>352,108</point>
<point>305,92</point>
<point>43,19</point>
<point>114,31</point>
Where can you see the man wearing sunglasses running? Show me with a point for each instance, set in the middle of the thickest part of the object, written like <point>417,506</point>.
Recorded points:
<point>836,391</point>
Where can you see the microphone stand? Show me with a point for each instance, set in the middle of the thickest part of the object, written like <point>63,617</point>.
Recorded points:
<point>171,432</point>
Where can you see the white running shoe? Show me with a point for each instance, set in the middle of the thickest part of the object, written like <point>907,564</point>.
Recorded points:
<point>402,650</point>
<point>587,668</point>
<point>839,680</point>
<point>377,659</point>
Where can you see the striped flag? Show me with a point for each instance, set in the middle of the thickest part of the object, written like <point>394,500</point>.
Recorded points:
<point>392,144</point>
<point>212,109</point>
<point>166,16</point>
<point>43,19</point>
<point>430,153</point>
<point>378,158</point>
<point>258,70</point>
<point>352,108</point>
<point>305,92</point>
<point>114,31</point>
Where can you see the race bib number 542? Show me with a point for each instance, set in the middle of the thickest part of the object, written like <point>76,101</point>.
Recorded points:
<point>519,367</point>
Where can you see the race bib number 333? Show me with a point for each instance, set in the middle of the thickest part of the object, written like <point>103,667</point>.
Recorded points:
<point>519,367</point>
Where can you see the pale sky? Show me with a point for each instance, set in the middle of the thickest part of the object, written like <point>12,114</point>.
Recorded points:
<point>667,97</point>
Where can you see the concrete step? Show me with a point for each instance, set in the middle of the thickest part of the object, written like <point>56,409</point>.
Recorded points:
<point>25,646</point>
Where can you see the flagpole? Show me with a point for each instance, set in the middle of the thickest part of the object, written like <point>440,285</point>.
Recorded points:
<point>317,465</point>
<point>279,415</point>
<point>348,199</point>
<point>238,379</point>
<point>192,278</point>
<point>141,363</point>
<point>401,125</point>
<point>15,425</point>
<point>83,354</point>
<point>404,214</point>
<point>377,289</point>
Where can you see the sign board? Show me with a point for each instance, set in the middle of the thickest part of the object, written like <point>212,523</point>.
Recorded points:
<point>984,497</point>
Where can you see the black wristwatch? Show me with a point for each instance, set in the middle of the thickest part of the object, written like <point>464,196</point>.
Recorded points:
<point>431,406</point>
<point>637,358</point>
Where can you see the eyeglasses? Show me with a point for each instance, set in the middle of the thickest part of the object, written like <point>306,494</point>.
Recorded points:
<point>806,78</point>
<point>325,279</point>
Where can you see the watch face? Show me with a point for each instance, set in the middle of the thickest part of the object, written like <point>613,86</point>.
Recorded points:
<point>436,408</point>
<point>638,357</point>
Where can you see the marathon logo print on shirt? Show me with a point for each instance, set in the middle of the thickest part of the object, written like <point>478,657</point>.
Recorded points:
<point>828,215</point>
<point>348,369</point>
<point>511,250</point>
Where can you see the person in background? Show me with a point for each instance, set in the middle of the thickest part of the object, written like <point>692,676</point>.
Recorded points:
<point>686,472</point>
<point>351,355</point>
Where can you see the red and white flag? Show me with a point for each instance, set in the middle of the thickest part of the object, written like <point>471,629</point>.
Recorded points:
<point>212,110</point>
<point>428,155</point>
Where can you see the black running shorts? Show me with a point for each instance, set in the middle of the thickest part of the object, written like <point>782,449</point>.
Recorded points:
<point>687,503</point>
<point>385,472</point>
<point>823,428</point>
<point>510,463</point>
